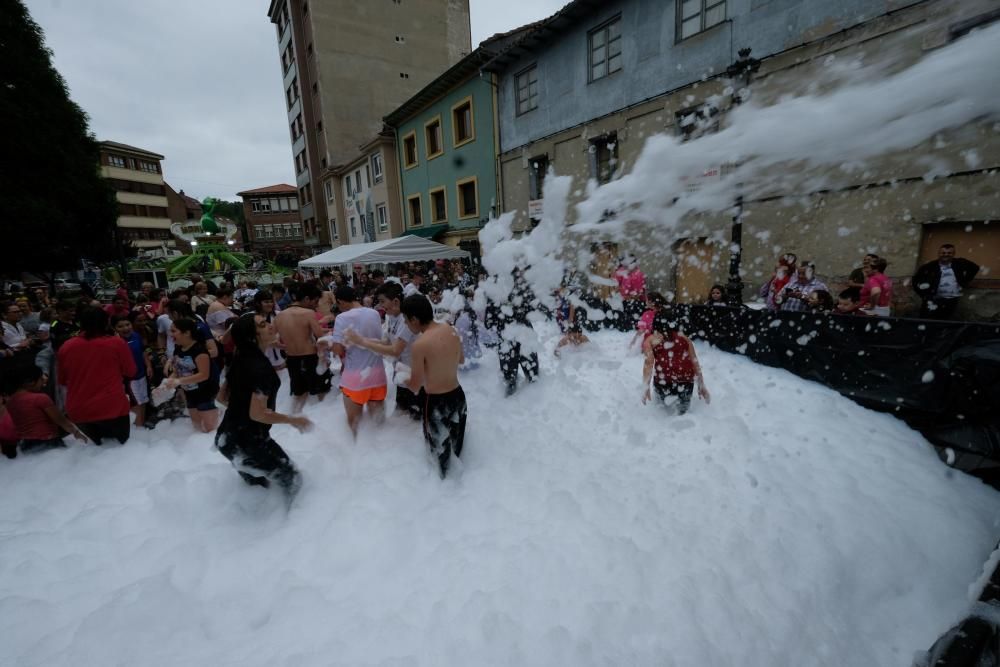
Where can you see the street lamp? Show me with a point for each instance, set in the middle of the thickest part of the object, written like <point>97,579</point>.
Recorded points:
<point>744,67</point>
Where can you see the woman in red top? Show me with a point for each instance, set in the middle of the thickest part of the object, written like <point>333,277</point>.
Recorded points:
<point>876,295</point>
<point>36,418</point>
<point>94,366</point>
<point>671,355</point>
<point>655,303</point>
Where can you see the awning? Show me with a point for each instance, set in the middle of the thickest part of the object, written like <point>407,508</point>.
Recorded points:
<point>402,249</point>
<point>433,231</point>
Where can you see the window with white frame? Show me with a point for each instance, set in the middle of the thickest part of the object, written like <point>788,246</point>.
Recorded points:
<point>694,16</point>
<point>383,218</point>
<point>606,49</point>
<point>329,190</point>
<point>377,167</point>
<point>117,161</point>
<point>347,184</point>
<point>354,226</point>
<point>334,233</point>
<point>527,90</point>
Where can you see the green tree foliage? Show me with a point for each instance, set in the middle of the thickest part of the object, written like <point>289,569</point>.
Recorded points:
<point>57,208</point>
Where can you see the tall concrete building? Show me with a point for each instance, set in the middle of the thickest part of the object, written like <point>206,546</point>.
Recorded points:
<point>137,177</point>
<point>345,65</point>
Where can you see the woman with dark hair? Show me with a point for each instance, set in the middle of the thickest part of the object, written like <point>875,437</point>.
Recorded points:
<point>655,303</point>
<point>250,393</point>
<point>94,366</point>
<point>263,305</point>
<point>193,370</point>
<point>716,296</point>
<point>671,354</point>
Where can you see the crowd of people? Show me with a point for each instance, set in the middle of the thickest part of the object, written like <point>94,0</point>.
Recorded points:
<point>95,371</point>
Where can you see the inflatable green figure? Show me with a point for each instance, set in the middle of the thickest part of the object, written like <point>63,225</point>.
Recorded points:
<point>208,224</point>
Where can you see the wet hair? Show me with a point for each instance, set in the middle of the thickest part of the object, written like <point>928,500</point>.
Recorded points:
<point>665,323</point>
<point>880,264</point>
<point>657,300</point>
<point>390,290</point>
<point>120,318</point>
<point>244,334</point>
<point>377,274</point>
<point>418,306</point>
<point>260,297</point>
<point>345,293</point>
<point>722,290</point>
<point>181,308</point>
<point>93,322</point>
<point>308,290</point>
<point>223,292</point>
<point>825,300</point>
<point>278,288</point>
<point>27,374</point>
<point>850,295</point>
<point>188,326</point>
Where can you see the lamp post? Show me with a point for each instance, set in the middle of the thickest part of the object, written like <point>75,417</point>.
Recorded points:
<point>744,67</point>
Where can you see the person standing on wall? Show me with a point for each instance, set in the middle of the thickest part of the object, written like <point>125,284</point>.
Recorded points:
<point>940,283</point>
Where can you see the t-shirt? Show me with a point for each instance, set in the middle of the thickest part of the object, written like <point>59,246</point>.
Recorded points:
<point>13,334</point>
<point>247,376</point>
<point>92,370</point>
<point>948,287</point>
<point>60,332</point>
<point>217,321</point>
<point>884,283</point>
<point>410,289</point>
<point>396,329</point>
<point>163,328</point>
<point>185,361</point>
<point>646,321</point>
<point>137,348</point>
<point>27,409</point>
<point>363,369</point>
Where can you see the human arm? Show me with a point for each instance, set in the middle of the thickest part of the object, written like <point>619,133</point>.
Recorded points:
<point>647,367</point>
<point>702,391</point>
<point>392,349</point>
<point>126,361</point>
<point>223,395</point>
<point>60,420</point>
<point>416,380</point>
<point>147,357</point>
<point>259,412</point>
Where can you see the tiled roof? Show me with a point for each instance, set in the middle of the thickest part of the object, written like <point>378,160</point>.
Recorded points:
<point>279,189</point>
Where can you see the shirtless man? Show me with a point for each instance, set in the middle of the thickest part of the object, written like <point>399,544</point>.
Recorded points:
<point>436,356</point>
<point>298,328</point>
<point>362,379</point>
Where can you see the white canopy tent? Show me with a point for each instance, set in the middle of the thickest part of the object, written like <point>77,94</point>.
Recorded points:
<point>403,249</point>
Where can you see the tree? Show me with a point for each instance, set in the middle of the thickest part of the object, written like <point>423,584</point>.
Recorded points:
<point>57,208</point>
<point>234,211</point>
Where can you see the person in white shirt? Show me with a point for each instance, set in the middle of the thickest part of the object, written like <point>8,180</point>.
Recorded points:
<point>413,287</point>
<point>362,380</point>
<point>397,344</point>
<point>220,312</point>
<point>14,335</point>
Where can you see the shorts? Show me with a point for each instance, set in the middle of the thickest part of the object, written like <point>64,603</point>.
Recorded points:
<point>682,390</point>
<point>362,396</point>
<point>139,390</point>
<point>444,425</point>
<point>302,377</point>
<point>202,398</point>
<point>30,445</point>
<point>409,403</point>
<point>117,428</point>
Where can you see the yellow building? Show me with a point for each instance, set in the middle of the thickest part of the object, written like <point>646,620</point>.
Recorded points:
<point>137,177</point>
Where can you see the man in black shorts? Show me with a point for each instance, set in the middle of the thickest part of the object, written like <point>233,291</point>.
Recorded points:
<point>298,329</point>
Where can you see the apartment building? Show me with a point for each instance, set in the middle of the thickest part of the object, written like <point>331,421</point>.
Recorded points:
<point>344,65</point>
<point>136,175</point>
<point>273,222</point>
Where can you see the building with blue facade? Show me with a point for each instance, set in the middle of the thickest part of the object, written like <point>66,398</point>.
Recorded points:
<point>582,92</point>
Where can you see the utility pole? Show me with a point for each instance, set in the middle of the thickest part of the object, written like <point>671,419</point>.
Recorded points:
<point>744,67</point>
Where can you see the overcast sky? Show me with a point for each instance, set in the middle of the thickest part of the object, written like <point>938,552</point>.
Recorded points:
<point>199,81</point>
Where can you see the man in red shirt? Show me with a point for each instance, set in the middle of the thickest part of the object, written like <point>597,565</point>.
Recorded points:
<point>94,366</point>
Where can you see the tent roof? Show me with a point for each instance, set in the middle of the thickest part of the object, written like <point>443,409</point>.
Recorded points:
<point>402,249</point>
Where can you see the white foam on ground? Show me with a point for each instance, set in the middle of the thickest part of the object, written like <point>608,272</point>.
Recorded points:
<point>780,525</point>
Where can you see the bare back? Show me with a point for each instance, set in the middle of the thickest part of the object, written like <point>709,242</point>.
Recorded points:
<point>298,330</point>
<point>439,349</point>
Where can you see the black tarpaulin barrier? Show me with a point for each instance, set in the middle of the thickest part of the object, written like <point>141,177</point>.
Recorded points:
<point>942,378</point>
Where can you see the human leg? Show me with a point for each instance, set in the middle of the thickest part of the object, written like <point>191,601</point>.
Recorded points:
<point>509,353</point>
<point>354,412</point>
<point>260,462</point>
<point>444,426</point>
<point>676,396</point>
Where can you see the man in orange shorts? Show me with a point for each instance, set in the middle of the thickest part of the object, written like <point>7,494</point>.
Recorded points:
<point>362,379</point>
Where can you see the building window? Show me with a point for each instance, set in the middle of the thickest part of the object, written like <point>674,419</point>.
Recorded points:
<point>315,86</point>
<point>414,209</point>
<point>287,57</point>
<point>283,203</point>
<point>117,161</point>
<point>410,150</point>
<point>377,167</point>
<point>606,49</point>
<point>538,167</point>
<point>695,16</point>
<point>268,231</point>
<point>604,157</point>
<point>319,126</point>
<point>439,206</point>
<point>309,48</point>
<point>527,90</point>
<point>357,179</point>
<point>292,94</point>
<point>432,137</point>
<point>354,226</point>
<point>334,232</point>
<point>468,198</point>
<point>293,204</point>
<point>149,167</point>
<point>383,218</point>
<point>693,123</point>
<point>300,162</point>
<point>463,129</point>
<point>328,185</point>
